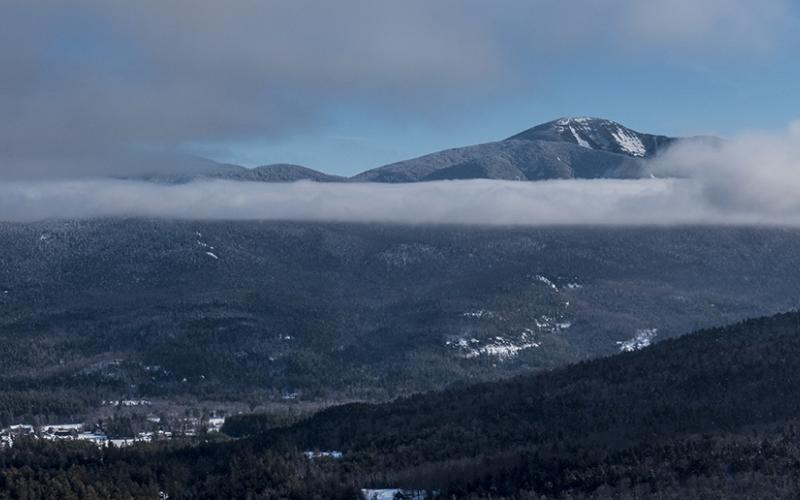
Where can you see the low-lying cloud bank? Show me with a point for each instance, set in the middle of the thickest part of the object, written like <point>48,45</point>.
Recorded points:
<point>755,172</point>
<point>646,201</point>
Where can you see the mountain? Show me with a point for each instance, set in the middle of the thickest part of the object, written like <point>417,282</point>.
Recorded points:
<point>567,148</point>
<point>279,172</point>
<point>520,160</point>
<point>273,312</point>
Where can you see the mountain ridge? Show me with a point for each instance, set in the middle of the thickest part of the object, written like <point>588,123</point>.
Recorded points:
<point>276,172</point>
<point>565,148</point>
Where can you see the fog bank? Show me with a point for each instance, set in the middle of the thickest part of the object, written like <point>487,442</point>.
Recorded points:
<point>632,202</point>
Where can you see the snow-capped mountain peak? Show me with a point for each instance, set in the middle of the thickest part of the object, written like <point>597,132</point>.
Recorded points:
<point>597,133</point>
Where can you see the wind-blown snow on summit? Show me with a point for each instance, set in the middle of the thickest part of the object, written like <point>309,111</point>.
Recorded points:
<point>598,134</point>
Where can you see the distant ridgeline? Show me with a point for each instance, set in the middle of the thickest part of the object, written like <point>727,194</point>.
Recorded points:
<point>567,148</point>
<point>711,414</point>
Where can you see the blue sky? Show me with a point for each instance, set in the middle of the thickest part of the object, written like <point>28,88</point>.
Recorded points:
<point>350,85</point>
<point>650,96</point>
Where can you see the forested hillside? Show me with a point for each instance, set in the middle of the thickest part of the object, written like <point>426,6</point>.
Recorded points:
<point>251,311</point>
<point>709,415</point>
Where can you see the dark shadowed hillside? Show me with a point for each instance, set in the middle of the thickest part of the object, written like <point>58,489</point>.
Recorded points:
<point>685,414</point>
<point>285,311</point>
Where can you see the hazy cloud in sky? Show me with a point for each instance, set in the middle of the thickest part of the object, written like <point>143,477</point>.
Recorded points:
<point>87,82</point>
<point>754,172</point>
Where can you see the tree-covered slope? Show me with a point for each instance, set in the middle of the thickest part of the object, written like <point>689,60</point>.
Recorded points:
<point>713,414</point>
<point>719,404</point>
<point>112,309</point>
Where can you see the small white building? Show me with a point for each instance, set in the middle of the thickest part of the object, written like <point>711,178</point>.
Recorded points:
<point>311,455</point>
<point>215,424</point>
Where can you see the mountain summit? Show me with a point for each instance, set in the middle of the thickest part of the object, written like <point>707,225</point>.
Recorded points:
<point>599,134</point>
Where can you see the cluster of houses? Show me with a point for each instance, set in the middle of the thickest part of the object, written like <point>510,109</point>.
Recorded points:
<point>75,432</point>
<point>79,432</point>
<point>127,402</point>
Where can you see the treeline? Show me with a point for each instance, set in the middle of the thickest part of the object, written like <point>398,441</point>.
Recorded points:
<point>258,423</point>
<point>719,380</point>
<point>74,470</point>
<point>37,407</point>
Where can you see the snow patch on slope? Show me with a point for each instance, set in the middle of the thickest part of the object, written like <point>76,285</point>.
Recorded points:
<point>581,141</point>
<point>629,143</point>
<point>546,281</point>
<point>479,313</point>
<point>498,347</point>
<point>392,494</point>
<point>642,339</point>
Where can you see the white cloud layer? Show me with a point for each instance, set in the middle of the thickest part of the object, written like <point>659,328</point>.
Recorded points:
<point>751,173</point>
<point>624,202</point>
